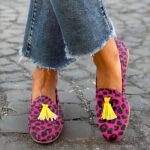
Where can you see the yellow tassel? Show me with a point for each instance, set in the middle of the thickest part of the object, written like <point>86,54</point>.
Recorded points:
<point>108,112</point>
<point>46,113</point>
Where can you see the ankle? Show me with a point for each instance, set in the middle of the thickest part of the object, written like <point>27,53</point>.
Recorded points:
<point>44,82</point>
<point>41,73</point>
<point>109,79</point>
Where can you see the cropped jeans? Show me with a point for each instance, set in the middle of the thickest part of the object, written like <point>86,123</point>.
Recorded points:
<point>59,31</point>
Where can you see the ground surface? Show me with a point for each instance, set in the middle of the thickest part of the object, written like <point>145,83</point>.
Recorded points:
<point>76,84</point>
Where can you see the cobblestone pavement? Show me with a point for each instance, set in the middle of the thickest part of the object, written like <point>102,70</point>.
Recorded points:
<point>76,85</point>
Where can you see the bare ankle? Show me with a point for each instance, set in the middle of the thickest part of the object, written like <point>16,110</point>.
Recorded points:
<point>44,73</point>
<point>108,66</point>
<point>44,82</point>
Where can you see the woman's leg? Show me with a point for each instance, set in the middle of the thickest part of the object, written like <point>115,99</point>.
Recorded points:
<point>44,44</point>
<point>108,67</point>
<point>44,82</point>
<point>87,29</point>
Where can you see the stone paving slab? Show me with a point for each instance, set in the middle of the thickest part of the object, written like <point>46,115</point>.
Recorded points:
<point>76,85</point>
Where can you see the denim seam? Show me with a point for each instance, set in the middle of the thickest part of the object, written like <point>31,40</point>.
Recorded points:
<point>105,15</point>
<point>29,39</point>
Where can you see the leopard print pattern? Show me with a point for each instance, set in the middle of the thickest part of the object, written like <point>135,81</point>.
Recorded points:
<point>123,55</point>
<point>43,131</point>
<point>113,130</point>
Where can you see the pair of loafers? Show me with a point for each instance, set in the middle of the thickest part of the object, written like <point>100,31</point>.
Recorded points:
<point>46,119</point>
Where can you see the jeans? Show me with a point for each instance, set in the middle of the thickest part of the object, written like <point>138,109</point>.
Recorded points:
<point>59,31</point>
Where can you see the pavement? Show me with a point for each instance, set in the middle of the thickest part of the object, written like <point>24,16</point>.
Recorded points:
<point>76,85</point>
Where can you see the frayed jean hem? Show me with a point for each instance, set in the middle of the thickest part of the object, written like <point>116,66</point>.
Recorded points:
<point>40,65</point>
<point>100,46</point>
<point>72,57</point>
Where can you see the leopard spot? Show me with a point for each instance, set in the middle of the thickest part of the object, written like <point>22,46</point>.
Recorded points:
<point>117,95</point>
<point>100,104</point>
<point>119,123</point>
<point>118,117</point>
<point>127,112</point>
<point>102,120</point>
<point>49,137</point>
<point>123,127</point>
<point>43,127</point>
<point>109,131</point>
<point>37,124</point>
<point>56,127</point>
<point>113,137</point>
<point>99,114</point>
<point>33,128</point>
<point>123,99</point>
<point>43,134</point>
<point>49,130</point>
<point>116,128</point>
<point>119,110</point>
<point>114,108</point>
<point>112,104</point>
<point>42,122</point>
<point>50,124</point>
<point>100,96</point>
<point>37,129</point>
<point>115,101</point>
<point>105,93</point>
<point>112,121</point>
<point>56,134</point>
<point>35,112</point>
<point>120,133</point>
<point>123,106</point>
<point>124,117</point>
<point>103,128</point>
<point>53,137</point>
<point>32,121</point>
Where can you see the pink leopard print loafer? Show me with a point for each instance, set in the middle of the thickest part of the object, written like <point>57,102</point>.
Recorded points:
<point>112,107</point>
<point>45,120</point>
<point>124,59</point>
<point>112,111</point>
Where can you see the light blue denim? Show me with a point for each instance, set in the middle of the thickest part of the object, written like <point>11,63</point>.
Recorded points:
<point>59,31</point>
